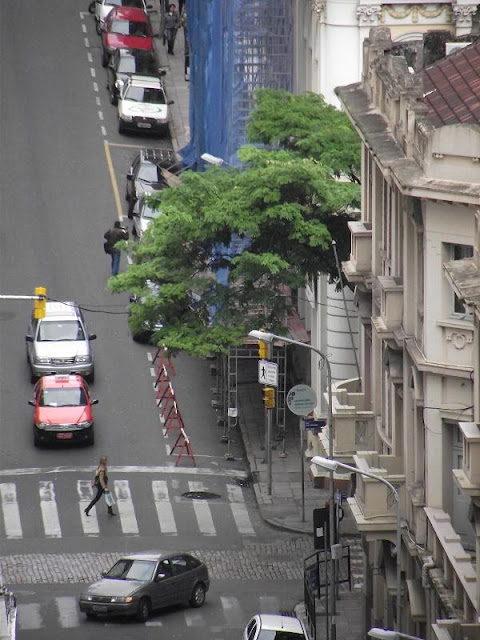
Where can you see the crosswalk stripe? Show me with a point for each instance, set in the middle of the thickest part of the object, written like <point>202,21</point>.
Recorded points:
<point>48,506</point>
<point>194,618</point>
<point>67,612</point>
<point>202,511</point>
<point>29,616</point>
<point>233,613</point>
<point>163,507</point>
<point>239,510</point>
<point>11,513</point>
<point>125,507</point>
<point>85,494</point>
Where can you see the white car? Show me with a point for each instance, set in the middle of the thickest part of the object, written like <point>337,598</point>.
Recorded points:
<point>103,8</point>
<point>143,214</point>
<point>274,627</point>
<point>143,106</point>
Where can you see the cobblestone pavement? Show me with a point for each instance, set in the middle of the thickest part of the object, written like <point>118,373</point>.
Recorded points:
<point>282,560</point>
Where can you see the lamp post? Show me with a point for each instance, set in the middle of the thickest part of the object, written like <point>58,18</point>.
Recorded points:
<point>388,634</point>
<point>211,159</point>
<point>269,338</point>
<point>332,465</point>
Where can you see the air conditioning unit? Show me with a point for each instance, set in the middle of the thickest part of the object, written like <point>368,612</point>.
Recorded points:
<point>451,47</point>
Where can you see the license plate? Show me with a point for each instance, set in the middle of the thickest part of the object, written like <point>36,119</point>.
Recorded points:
<point>99,607</point>
<point>64,436</point>
<point>144,125</point>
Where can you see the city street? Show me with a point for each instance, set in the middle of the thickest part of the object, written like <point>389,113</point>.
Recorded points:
<point>61,186</point>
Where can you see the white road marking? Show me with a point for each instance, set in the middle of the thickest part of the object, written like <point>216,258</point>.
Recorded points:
<point>153,372</point>
<point>202,511</point>
<point>85,494</point>
<point>239,510</point>
<point>67,612</point>
<point>84,28</point>
<point>11,513</point>
<point>149,356</point>
<point>87,43</point>
<point>95,87</point>
<point>100,116</point>
<point>29,616</point>
<point>98,101</point>
<point>89,56</point>
<point>164,507</point>
<point>103,131</point>
<point>48,505</point>
<point>93,72</point>
<point>233,613</point>
<point>194,618</point>
<point>36,471</point>
<point>124,506</point>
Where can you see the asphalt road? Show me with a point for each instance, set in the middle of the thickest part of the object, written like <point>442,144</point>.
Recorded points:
<point>61,185</point>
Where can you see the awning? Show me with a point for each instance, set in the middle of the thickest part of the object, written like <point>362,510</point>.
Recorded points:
<point>416,598</point>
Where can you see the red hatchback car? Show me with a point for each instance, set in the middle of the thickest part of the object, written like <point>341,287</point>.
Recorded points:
<point>63,410</point>
<point>126,28</point>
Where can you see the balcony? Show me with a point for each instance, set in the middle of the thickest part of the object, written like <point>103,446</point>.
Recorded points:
<point>358,269</point>
<point>388,291</point>
<point>468,477</point>
<point>373,506</point>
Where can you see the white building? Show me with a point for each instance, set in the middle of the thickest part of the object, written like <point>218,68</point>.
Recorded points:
<point>412,417</point>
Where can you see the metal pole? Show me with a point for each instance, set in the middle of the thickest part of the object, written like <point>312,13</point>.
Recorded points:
<point>331,509</point>
<point>302,467</point>
<point>269,435</point>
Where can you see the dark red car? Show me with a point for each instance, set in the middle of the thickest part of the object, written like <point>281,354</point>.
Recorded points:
<point>126,28</point>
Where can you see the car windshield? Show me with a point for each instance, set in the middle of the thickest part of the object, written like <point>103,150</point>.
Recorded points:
<point>64,397</point>
<point>132,570</point>
<point>129,28</point>
<point>146,95</point>
<point>125,3</point>
<point>51,331</point>
<point>148,213</point>
<point>280,634</point>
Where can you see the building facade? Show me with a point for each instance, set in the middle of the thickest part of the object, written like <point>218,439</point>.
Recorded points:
<point>411,417</point>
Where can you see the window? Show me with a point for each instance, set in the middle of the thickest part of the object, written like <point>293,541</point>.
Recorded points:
<point>459,252</point>
<point>179,565</point>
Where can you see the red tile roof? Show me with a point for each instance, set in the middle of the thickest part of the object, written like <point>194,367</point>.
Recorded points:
<point>451,88</point>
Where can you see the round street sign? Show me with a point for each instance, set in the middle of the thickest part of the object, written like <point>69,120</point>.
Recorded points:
<point>301,400</point>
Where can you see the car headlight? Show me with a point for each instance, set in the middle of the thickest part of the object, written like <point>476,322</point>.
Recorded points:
<point>85,424</point>
<point>41,425</point>
<point>126,118</point>
<point>43,360</point>
<point>119,83</point>
<point>83,358</point>
<point>122,599</point>
<point>161,120</point>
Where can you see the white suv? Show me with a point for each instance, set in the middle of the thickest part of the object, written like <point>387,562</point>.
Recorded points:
<point>143,106</point>
<point>59,342</point>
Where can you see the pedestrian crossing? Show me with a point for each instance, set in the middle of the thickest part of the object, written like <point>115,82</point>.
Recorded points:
<point>61,505</point>
<point>222,611</point>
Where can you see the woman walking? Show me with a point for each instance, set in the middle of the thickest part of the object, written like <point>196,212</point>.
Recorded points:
<point>100,485</point>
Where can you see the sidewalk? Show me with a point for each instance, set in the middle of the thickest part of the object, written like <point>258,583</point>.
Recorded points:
<point>290,504</point>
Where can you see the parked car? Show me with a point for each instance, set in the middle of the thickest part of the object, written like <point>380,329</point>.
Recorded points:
<point>148,171</point>
<point>140,583</point>
<point>60,342</point>
<point>63,410</point>
<point>126,28</point>
<point>103,8</point>
<point>128,62</point>
<point>143,331</point>
<point>274,627</point>
<point>143,106</point>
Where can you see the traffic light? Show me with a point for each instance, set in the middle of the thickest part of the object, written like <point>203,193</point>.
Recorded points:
<point>269,397</point>
<point>40,304</point>
<point>262,350</point>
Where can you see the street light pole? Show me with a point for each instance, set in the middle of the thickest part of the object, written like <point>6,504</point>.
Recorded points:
<point>269,338</point>
<point>332,465</point>
<point>388,634</point>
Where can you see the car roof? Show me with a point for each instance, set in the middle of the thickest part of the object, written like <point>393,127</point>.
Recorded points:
<point>148,555</point>
<point>128,13</point>
<point>63,380</point>
<point>135,53</point>
<point>149,82</point>
<point>55,308</point>
<point>163,158</point>
<point>275,622</point>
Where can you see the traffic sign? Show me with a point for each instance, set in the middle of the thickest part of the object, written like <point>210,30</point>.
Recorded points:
<point>314,424</point>
<point>268,373</point>
<point>301,400</point>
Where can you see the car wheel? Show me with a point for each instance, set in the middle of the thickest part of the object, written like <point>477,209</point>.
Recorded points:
<point>91,377</point>
<point>97,27</point>
<point>121,128</point>
<point>198,596</point>
<point>90,615</point>
<point>36,439</point>
<point>134,231</point>
<point>143,610</point>
<point>91,439</point>
<point>104,58</point>
<point>131,204</point>
<point>33,377</point>
<point>113,98</point>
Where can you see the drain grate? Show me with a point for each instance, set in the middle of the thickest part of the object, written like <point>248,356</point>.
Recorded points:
<point>200,495</point>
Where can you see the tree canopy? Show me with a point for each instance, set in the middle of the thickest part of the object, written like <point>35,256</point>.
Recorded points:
<point>231,243</point>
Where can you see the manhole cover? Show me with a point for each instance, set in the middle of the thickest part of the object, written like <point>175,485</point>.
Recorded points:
<point>200,495</point>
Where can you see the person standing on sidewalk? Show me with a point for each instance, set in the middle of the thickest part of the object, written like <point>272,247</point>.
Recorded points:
<point>100,485</point>
<point>118,232</point>
<point>172,23</point>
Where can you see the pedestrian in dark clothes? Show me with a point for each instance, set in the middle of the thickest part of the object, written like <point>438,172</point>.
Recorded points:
<point>118,232</point>
<point>172,23</point>
<point>100,485</point>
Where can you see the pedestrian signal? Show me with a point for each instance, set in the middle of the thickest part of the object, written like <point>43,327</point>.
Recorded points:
<point>40,302</point>
<point>269,397</point>
<point>262,350</point>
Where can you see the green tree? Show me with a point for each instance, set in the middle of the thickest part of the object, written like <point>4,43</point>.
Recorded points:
<point>280,210</point>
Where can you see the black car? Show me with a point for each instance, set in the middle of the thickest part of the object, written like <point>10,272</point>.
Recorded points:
<point>147,174</point>
<point>143,582</point>
<point>128,62</point>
